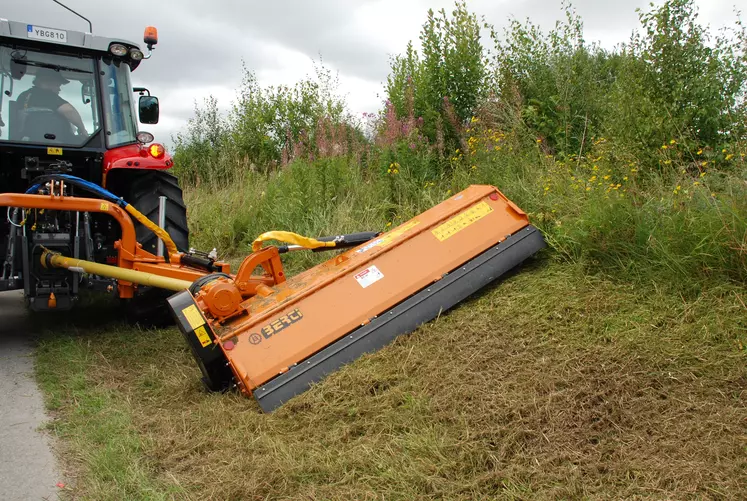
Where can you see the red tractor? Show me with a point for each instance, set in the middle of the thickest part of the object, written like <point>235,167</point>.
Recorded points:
<point>67,106</point>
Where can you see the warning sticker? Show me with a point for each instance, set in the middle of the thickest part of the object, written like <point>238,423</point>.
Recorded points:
<point>461,221</point>
<point>192,314</point>
<point>202,336</point>
<point>368,276</point>
<point>369,246</point>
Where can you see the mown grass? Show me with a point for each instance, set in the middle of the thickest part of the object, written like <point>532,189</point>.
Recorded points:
<point>553,384</point>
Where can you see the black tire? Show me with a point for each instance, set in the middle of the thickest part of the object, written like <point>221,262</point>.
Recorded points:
<point>143,193</point>
<point>143,189</point>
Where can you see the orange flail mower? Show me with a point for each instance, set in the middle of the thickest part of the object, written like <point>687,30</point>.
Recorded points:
<point>272,336</point>
<point>277,339</point>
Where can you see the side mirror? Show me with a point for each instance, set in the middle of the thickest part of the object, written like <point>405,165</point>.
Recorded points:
<point>148,109</point>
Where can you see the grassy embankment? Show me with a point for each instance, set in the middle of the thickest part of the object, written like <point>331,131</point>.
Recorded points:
<point>611,366</point>
<point>572,378</point>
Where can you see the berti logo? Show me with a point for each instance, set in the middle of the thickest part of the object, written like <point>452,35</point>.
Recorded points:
<point>281,323</point>
<point>255,338</point>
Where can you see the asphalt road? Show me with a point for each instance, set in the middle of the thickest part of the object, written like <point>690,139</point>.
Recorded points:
<point>28,471</point>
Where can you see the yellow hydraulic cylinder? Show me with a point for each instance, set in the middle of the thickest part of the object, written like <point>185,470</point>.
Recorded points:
<point>50,259</point>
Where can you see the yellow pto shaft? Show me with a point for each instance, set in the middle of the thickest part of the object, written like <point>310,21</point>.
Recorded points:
<point>50,259</point>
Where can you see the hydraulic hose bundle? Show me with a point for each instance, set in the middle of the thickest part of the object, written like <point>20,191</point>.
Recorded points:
<point>108,195</point>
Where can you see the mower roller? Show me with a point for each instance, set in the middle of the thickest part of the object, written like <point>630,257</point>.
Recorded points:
<point>273,336</point>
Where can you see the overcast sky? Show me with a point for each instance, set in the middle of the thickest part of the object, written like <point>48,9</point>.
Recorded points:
<point>202,43</point>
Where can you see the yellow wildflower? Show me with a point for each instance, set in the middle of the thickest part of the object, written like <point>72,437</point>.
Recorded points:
<point>672,142</point>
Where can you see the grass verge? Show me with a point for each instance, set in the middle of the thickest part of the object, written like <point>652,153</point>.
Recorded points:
<point>553,384</point>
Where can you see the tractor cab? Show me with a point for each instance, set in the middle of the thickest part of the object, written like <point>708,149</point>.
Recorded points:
<point>67,95</point>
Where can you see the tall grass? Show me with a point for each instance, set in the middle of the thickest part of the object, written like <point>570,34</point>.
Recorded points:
<point>656,194</point>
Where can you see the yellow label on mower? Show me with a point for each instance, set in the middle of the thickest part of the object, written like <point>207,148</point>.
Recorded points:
<point>461,221</point>
<point>54,151</point>
<point>202,335</point>
<point>389,237</point>
<point>104,207</point>
<point>194,319</point>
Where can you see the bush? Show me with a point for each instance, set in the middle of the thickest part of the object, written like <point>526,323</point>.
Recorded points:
<point>444,84</point>
<point>267,127</point>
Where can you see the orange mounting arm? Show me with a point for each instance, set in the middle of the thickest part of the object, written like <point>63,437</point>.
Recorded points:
<point>223,298</point>
<point>130,255</point>
<point>267,258</point>
<point>52,202</point>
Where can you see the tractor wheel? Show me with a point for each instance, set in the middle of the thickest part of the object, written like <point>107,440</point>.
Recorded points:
<point>143,193</point>
<point>142,190</point>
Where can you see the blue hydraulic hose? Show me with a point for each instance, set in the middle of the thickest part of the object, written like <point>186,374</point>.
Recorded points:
<point>103,193</point>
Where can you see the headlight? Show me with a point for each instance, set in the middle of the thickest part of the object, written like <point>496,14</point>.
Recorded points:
<point>136,55</point>
<point>118,49</point>
<point>145,137</point>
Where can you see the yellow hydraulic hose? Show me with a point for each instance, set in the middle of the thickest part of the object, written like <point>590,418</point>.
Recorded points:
<point>160,232</point>
<point>289,238</point>
<point>51,259</point>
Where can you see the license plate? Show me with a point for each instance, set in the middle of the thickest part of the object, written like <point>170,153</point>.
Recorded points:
<point>42,33</point>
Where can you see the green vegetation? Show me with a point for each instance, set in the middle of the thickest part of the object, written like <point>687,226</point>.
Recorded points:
<point>613,366</point>
<point>631,161</point>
